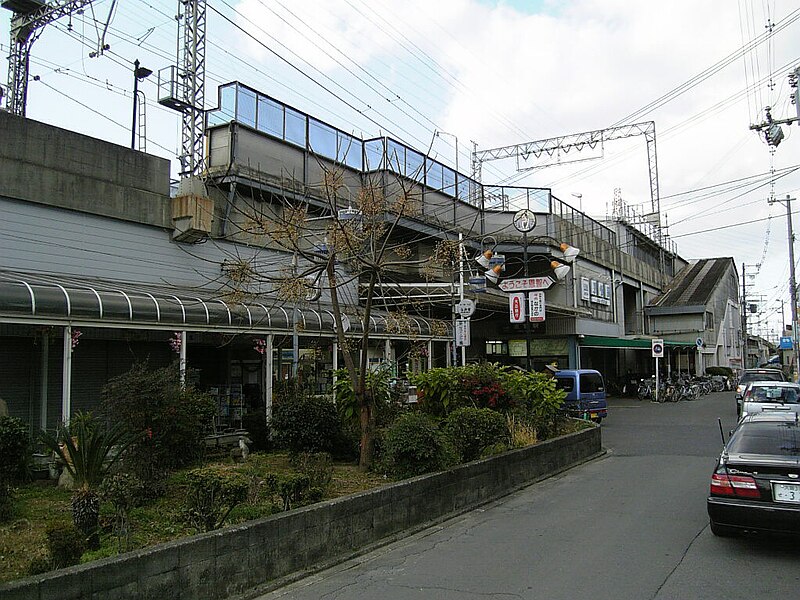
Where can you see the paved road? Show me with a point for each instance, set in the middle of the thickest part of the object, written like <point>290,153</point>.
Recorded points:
<point>631,525</point>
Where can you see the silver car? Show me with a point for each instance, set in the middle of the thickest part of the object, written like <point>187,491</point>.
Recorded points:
<point>763,396</point>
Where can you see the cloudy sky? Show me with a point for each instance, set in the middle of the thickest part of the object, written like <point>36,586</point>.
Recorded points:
<point>494,74</point>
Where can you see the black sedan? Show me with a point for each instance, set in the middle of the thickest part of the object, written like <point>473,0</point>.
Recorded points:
<point>756,484</point>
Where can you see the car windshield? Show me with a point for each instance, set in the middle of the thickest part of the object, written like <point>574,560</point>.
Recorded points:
<point>763,376</point>
<point>785,395</point>
<point>782,439</point>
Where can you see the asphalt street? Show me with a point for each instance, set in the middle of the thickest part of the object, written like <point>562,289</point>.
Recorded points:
<point>630,525</point>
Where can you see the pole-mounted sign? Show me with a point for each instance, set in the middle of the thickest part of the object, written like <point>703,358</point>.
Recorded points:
<point>657,347</point>
<point>526,283</point>
<point>516,307</point>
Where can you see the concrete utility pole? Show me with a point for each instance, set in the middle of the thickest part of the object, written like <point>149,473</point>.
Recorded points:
<point>792,281</point>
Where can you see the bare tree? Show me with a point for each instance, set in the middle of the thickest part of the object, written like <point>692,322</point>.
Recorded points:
<point>343,238</point>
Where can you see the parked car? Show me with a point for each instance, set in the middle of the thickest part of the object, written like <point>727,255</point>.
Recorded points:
<point>586,393</point>
<point>760,396</point>
<point>756,483</point>
<point>749,375</point>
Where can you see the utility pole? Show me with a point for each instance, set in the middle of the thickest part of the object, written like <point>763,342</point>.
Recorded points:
<point>792,282</point>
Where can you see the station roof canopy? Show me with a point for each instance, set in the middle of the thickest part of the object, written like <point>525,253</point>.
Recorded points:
<point>595,341</point>
<point>53,300</point>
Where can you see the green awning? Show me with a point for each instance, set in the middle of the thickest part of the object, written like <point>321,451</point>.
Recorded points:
<point>596,341</point>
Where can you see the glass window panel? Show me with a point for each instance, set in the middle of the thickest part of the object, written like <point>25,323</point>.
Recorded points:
<point>322,139</point>
<point>373,154</point>
<point>246,107</point>
<point>295,127</point>
<point>396,156</point>
<point>350,149</point>
<point>270,117</point>
<point>227,100</point>
<point>463,189</point>
<point>475,193</point>
<point>216,117</point>
<point>449,181</point>
<point>433,178</point>
<point>227,107</point>
<point>415,165</point>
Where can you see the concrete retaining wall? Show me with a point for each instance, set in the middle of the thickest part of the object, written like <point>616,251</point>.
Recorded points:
<point>240,560</point>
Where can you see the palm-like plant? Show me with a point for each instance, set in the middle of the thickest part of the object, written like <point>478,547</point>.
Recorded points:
<point>88,449</point>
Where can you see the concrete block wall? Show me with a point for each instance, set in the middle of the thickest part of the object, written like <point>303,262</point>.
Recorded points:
<point>48,165</point>
<point>241,561</point>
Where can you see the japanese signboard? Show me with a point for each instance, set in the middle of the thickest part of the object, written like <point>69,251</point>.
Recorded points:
<point>516,307</point>
<point>536,306</point>
<point>462,332</point>
<point>522,284</point>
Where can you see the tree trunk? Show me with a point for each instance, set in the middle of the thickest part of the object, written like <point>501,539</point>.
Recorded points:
<point>86,515</point>
<point>367,431</point>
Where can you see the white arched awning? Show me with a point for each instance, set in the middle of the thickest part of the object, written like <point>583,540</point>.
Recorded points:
<point>39,298</point>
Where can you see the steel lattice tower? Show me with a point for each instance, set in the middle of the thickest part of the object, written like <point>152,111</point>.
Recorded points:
<point>27,22</point>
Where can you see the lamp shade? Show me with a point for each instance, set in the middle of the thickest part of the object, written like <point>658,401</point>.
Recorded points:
<point>570,252</point>
<point>560,269</point>
<point>493,274</point>
<point>483,259</point>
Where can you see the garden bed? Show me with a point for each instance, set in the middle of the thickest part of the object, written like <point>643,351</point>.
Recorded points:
<point>241,560</point>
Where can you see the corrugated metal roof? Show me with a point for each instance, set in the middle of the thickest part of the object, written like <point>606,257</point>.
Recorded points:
<point>696,283</point>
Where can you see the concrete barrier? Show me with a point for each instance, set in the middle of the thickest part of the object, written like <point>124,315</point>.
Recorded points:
<point>241,561</point>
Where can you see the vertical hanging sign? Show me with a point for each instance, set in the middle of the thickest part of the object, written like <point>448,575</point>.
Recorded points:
<point>462,333</point>
<point>516,307</point>
<point>536,307</point>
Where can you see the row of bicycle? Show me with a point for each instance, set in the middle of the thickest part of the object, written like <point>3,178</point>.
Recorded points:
<point>681,387</point>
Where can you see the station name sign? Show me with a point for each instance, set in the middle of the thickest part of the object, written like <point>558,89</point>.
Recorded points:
<point>522,284</point>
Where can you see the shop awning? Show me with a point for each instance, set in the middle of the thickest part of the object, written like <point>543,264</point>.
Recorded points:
<point>596,341</point>
<point>51,299</point>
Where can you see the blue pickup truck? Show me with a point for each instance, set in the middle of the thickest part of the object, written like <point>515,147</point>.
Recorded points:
<point>586,393</point>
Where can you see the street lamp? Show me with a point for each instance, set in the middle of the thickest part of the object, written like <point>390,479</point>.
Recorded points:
<point>139,74</point>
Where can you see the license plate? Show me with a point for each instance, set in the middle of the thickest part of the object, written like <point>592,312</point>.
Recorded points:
<point>786,492</point>
<point>593,415</point>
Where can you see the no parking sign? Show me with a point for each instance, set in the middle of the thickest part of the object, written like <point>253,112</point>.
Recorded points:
<point>657,347</point>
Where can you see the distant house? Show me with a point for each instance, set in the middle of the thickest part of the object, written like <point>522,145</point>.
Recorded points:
<point>701,307</point>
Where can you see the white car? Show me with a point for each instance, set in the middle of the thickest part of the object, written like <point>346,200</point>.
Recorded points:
<point>763,396</point>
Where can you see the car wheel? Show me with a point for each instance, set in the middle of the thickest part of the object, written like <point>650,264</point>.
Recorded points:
<point>721,530</point>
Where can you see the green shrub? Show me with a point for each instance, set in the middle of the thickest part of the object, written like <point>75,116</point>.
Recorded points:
<point>537,400</point>
<point>413,445</point>
<point>39,565</point>
<point>167,420</point>
<point>6,501</point>
<point>14,442</point>
<point>482,385</point>
<point>726,371</point>
<point>318,466</point>
<point>291,488</point>
<point>256,425</point>
<point>305,424</point>
<point>439,390</point>
<point>124,492</point>
<point>472,430</point>
<point>65,543</point>
<point>213,494</point>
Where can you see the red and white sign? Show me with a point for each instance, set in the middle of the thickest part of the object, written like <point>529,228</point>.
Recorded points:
<point>516,307</point>
<point>536,307</point>
<point>522,284</point>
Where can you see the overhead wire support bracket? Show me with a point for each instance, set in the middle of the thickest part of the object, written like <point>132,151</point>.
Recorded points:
<point>578,141</point>
<point>29,17</point>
